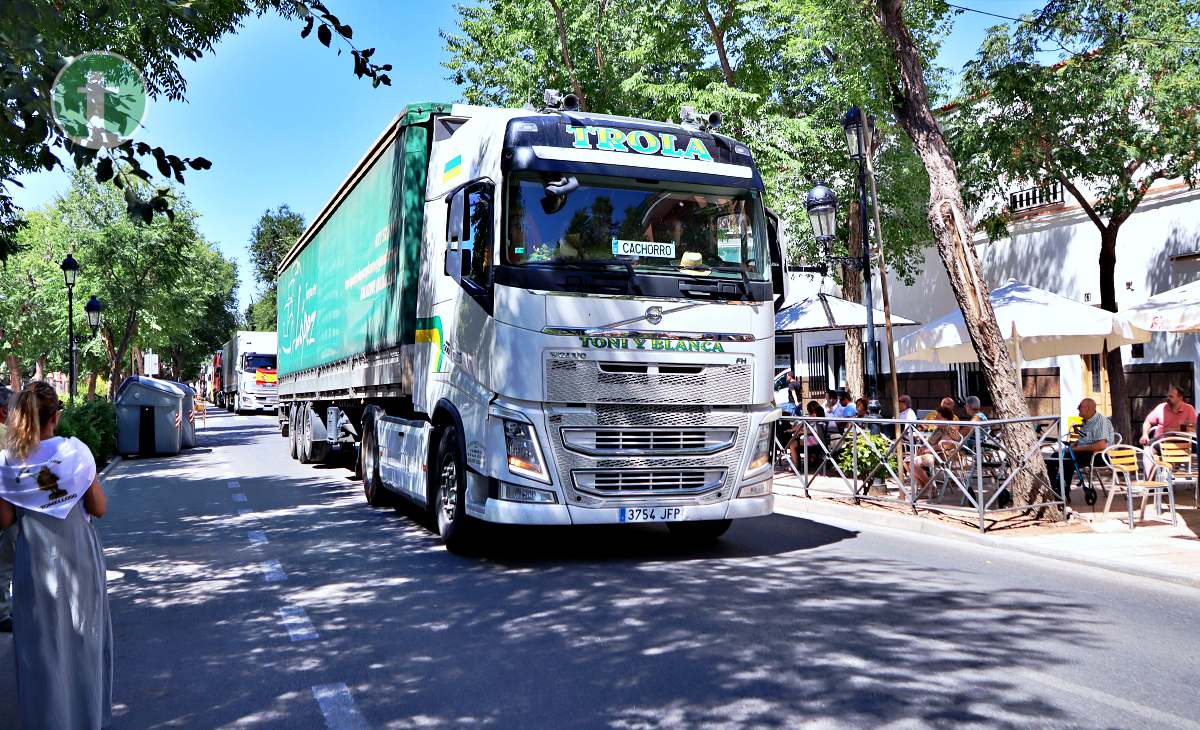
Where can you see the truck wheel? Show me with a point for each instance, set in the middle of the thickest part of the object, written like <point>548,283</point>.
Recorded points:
<point>293,441</point>
<point>700,532</point>
<point>368,459</point>
<point>305,435</point>
<point>450,495</point>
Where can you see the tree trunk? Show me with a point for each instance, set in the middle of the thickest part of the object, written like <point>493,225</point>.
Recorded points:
<point>852,290</point>
<point>14,372</point>
<point>91,386</point>
<point>952,230</point>
<point>1117,389</point>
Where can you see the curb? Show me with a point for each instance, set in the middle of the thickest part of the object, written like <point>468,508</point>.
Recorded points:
<point>111,465</point>
<point>795,506</point>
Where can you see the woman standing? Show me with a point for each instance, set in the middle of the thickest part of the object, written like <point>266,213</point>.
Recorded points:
<point>61,624</point>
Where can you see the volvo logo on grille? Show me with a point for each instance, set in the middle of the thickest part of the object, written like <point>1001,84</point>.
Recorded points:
<point>654,315</point>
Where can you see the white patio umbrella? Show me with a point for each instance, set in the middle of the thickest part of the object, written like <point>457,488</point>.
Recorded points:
<point>1175,310</point>
<point>827,312</point>
<point>1036,323</point>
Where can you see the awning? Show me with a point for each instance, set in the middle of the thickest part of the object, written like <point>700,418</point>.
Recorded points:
<point>827,312</point>
<point>1175,310</point>
<point>1035,323</point>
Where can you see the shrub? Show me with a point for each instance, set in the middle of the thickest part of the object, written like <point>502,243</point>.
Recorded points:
<point>868,455</point>
<point>94,423</point>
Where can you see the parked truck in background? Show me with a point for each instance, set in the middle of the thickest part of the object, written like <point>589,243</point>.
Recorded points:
<point>248,379</point>
<point>549,317</point>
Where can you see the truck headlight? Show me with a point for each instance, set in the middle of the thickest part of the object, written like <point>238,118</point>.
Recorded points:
<point>760,456</point>
<point>524,452</point>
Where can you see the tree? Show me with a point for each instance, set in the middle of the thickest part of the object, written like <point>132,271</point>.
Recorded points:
<point>1117,113</point>
<point>161,283</point>
<point>153,35</point>
<point>33,302</point>
<point>901,68</point>
<point>272,237</point>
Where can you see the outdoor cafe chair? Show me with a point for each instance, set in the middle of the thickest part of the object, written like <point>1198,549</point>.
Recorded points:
<point>1126,464</point>
<point>1177,454</point>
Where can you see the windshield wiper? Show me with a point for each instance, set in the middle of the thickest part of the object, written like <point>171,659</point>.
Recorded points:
<point>745,282</point>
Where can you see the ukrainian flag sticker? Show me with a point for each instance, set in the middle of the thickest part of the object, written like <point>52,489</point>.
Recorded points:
<point>453,169</point>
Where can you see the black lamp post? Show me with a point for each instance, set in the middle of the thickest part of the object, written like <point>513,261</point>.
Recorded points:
<point>70,269</point>
<point>857,128</point>
<point>822,208</point>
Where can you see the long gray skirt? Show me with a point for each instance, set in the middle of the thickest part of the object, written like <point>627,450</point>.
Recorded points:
<point>62,630</point>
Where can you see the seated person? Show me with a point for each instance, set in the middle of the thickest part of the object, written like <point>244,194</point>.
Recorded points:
<point>1173,415</point>
<point>947,403</point>
<point>860,408</point>
<point>972,406</point>
<point>1095,435</point>
<point>944,438</point>
<point>810,434</point>
<point>907,413</point>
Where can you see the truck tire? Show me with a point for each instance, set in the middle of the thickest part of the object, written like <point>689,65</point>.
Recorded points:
<point>303,435</point>
<point>700,532</point>
<point>368,463</point>
<point>311,450</point>
<point>449,498</point>
<point>293,441</point>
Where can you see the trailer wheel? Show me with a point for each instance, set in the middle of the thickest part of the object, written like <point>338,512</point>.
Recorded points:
<point>368,461</point>
<point>700,532</point>
<point>449,504</point>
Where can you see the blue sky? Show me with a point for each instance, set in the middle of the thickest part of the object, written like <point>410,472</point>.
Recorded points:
<point>283,119</point>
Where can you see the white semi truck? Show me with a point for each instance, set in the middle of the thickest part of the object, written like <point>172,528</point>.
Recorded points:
<point>545,318</point>
<point>248,381</point>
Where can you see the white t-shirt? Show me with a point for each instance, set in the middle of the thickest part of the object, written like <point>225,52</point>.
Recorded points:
<point>909,415</point>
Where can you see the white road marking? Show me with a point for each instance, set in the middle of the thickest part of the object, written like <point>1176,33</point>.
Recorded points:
<point>239,497</point>
<point>337,705</point>
<point>257,537</point>
<point>296,622</point>
<point>234,484</point>
<point>1152,714</point>
<point>273,571</point>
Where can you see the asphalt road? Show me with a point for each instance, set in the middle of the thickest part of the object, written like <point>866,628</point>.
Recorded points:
<point>302,607</point>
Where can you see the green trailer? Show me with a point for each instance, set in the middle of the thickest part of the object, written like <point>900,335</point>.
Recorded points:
<point>348,288</point>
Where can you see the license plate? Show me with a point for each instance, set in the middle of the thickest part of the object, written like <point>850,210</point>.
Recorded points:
<point>651,514</point>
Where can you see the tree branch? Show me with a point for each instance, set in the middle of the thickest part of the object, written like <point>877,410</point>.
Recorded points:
<point>1082,200</point>
<point>718,35</point>
<point>600,8</point>
<point>566,54</point>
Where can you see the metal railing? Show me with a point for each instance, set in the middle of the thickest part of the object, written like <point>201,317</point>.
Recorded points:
<point>887,453</point>
<point>1030,198</point>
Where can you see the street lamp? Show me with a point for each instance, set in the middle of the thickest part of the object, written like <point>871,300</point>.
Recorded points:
<point>93,308</point>
<point>852,125</point>
<point>70,269</point>
<point>821,204</point>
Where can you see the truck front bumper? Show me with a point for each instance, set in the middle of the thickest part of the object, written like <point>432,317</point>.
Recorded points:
<point>521,513</point>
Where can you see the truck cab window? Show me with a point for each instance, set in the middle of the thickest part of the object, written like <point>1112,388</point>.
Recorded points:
<point>478,226</point>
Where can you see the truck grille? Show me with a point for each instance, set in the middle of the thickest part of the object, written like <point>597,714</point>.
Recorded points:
<point>591,381</point>
<point>648,441</point>
<point>641,482</point>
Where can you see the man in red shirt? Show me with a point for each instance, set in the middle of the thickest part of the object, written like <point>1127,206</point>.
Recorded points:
<point>1169,416</point>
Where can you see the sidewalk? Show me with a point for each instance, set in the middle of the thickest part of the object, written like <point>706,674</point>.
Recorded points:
<point>1153,550</point>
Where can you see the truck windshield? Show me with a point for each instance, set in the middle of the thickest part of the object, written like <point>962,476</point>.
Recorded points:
<point>254,361</point>
<point>626,224</point>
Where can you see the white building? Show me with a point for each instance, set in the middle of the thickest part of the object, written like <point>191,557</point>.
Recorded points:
<point>1052,245</point>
